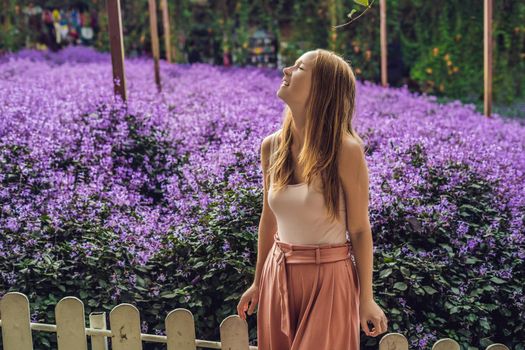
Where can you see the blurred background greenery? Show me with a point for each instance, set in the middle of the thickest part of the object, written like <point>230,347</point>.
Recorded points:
<point>435,47</point>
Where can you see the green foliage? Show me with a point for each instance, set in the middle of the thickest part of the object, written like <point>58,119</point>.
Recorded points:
<point>441,43</point>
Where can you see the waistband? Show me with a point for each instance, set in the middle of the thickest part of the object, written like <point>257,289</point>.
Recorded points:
<point>288,253</point>
<point>310,253</point>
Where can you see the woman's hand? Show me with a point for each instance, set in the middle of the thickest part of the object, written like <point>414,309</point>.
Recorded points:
<point>251,295</point>
<point>370,311</point>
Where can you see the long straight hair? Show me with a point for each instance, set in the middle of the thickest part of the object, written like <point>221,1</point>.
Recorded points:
<point>330,108</point>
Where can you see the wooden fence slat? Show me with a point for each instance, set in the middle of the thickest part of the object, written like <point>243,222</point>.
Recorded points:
<point>446,344</point>
<point>71,326</point>
<point>97,320</point>
<point>180,330</point>
<point>124,322</point>
<point>234,333</point>
<point>497,346</point>
<point>393,341</point>
<point>16,322</point>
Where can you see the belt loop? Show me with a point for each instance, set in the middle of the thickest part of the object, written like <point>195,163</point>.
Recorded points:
<point>280,256</point>
<point>317,256</point>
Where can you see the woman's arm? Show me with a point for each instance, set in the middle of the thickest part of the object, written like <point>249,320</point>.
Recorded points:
<point>353,171</point>
<point>267,223</point>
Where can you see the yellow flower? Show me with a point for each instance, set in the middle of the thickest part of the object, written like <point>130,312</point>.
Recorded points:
<point>446,57</point>
<point>435,51</point>
<point>455,69</point>
<point>429,70</point>
<point>441,87</point>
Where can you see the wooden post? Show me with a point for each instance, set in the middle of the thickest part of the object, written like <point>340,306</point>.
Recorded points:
<point>7,15</point>
<point>487,56</point>
<point>332,10</point>
<point>154,40</point>
<point>70,324</point>
<point>117,47</point>
<point>383,43</point>
<point>97,320</point>
<point>16,322</point>
<point>124,320</point>
<point>167,34</point>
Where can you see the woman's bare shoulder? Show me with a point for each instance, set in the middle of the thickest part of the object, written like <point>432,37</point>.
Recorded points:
<point>267,142</point>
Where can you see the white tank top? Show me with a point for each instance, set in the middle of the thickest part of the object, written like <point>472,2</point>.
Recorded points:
<point>301,214</point>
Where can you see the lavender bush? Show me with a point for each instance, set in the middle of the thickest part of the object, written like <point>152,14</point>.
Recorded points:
<point>157,203</point>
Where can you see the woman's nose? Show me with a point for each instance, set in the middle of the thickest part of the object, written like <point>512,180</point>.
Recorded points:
<point>285,70</point>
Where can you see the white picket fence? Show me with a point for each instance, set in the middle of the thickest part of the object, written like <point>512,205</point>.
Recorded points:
<point>125,332</point>
<point>397,341</point>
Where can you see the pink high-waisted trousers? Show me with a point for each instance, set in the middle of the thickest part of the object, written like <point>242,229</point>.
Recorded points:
<point>308,298</point>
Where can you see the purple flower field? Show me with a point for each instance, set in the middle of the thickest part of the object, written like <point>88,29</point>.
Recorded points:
<point>69,152</point>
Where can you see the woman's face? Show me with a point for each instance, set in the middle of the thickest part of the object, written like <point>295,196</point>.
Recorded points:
<point>296,82</point>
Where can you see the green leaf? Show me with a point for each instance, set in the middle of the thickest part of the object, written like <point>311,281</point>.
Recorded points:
<point>385,273</point>
<point>45,341</point>
<point>429,290</point>
<point>140,281</point>
<point>484,324</point>
<point>361,2</point>
<point>471,260</point>
<point>349,15</point>
<point>497,280</point>
<point>92,302</point>
<point>453,310</point>
<point>169,295</point>
<point>404,271</point>
<point>199,264</point>
<point>400,286</point>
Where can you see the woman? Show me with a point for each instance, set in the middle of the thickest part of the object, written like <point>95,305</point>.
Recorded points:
<point>310,295</point>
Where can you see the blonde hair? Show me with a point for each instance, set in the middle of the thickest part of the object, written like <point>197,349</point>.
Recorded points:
<point>330,108</point>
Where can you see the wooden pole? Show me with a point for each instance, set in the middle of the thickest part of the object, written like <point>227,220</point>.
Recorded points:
<point>167,34</point>
<point>332,8</point>
<point>383,43</point>
<point>487,57</point>
<point>117,47</point>
<point>154,40</point>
